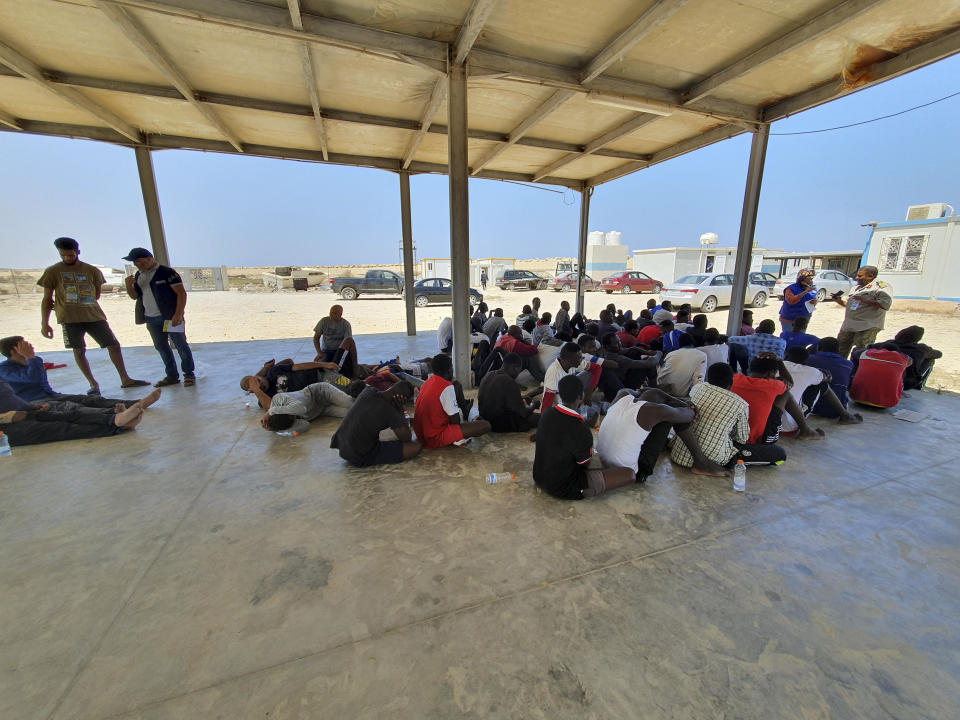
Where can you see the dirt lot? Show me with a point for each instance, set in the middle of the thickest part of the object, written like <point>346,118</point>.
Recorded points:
<point>255,313</point>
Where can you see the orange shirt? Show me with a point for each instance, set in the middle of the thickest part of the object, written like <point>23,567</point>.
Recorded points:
<point>759,394</point>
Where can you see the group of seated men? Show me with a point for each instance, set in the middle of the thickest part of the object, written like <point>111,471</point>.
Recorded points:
<point>643,381</point>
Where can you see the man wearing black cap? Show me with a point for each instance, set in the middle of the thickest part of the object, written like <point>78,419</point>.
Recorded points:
<point>72,289</point>
<point>161,300</point>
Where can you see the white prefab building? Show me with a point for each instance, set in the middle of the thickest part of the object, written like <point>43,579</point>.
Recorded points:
<point>440,267</point>
<point>606,255</point>
<point>919,258</point>
<point>668,264</point>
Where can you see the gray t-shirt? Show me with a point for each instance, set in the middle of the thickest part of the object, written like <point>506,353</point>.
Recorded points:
<point>150,307</point>
<point>494,326</point>
<point>333,332</point>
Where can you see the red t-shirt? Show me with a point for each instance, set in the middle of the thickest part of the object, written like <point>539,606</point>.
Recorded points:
<point>626,339</point>
<point>511,345</point>
<point>648,334</point>
<point>879,378</point>
<point>759,394</point>
<point>429,418</point>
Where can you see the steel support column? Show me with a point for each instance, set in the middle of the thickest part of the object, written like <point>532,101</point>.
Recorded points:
<point>407,229</point>
<point>151,204</point>
<point>459,221</point>
<point>582,244</point>
<point>748,225</point>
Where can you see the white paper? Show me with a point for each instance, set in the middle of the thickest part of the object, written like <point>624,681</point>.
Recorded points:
<point>181,328</point>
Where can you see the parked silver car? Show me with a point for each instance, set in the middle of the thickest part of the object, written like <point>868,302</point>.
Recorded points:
<point>827,282</point>
<point>708,291</point>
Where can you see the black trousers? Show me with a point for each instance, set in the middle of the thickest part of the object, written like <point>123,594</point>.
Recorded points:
<point>43,426</point>
<point>655,444</point>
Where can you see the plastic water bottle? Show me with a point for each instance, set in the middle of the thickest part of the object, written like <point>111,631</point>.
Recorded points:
<point>288,433</point>
<point>502,477</point>
<point>4,445</point>
<point>246,404</point>
<point>740,477</point>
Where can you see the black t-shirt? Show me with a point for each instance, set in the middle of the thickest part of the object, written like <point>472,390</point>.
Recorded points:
<point>357,438</point>
<point>499,402</point>
<point>563,442</point>
<point>283,378</point>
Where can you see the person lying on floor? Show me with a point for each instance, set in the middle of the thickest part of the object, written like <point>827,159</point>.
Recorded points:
<point>26,423</point>
<point>500,400</point>
<point>565,448</point>
<point>636,429</point>
<point>437,417</point>
<point>722,425</point>
<point>373,415</point>
<point>316,400</point>
<point>24,371</point>
<point>285,376</point>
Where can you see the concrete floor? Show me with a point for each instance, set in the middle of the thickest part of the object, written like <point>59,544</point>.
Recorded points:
<point>201,567</point>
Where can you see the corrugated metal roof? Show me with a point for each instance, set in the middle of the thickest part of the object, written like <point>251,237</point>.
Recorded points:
<point>239,76</point>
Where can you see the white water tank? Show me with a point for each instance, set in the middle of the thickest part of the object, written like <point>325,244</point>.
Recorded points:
<point>595,238</point>
<point>709,238</point>
<point>613,238</point>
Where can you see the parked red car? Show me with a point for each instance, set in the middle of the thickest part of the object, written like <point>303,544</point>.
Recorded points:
<point>568,281</point>
<point>631,281</point>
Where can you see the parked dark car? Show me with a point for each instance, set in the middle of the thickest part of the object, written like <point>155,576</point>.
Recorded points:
<point>631,281</point>
<point>568,281</point>
<point>374,282</point>
<point>521,280</point>
<point>439,291</point>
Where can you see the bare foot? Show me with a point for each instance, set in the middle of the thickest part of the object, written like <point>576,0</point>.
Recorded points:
<point>810,434</point>
<point>126,417</point>
<point>119,408</point>
<point>149,400</point>
<point>851,419</point>
<point>710,470</point>
<point>270,363</point>
<point>133,423</point>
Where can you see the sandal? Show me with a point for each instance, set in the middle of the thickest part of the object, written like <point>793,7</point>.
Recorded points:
<point>189,381</point>
<point>93,391</point>
<point>135,383</point>
<point>166,381</point>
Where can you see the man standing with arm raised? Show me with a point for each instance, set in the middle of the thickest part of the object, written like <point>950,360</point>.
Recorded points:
<point>72,289</point>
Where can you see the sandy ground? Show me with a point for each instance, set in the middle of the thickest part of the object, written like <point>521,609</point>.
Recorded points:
<point>256,314</point>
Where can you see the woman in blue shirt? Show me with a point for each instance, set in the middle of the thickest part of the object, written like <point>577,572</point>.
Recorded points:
<point>798,300</point>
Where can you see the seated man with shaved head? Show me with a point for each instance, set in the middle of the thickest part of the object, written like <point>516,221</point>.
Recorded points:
<point>333,340</point>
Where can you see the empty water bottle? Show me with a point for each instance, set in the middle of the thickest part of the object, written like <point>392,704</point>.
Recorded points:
<point>4,445</point>
<point>740,477</point>
<point>288,433</point>
<point>502,477</point>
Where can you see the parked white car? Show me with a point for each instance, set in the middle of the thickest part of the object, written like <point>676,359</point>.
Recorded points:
<point>708,291</point>
<point>827,282</point>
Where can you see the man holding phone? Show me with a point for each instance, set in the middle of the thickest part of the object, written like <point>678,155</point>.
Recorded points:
<point>866,308</point>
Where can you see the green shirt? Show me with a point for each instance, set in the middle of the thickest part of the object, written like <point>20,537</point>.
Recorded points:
<point>75,291</point>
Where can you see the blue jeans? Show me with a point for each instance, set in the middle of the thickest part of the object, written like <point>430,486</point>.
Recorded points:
<point>162,340</point>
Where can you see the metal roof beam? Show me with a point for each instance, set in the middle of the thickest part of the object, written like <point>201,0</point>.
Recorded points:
<point>809,31</point>
<point>684,146</point>
<point>917,57</point>
<point>151,49</point>
<point>29,70</point>
<point>275,21</point>
<point>595,146</point>
<point>519,69</point>
<point>553,102</point>
<point>469,32</point>
<point>437,96</point>
<point>472,27</point>
<point>283,108</point>
<point>656,14</point>
<point>9,120</point>
<point>309,76</point>
<point>173,142</point>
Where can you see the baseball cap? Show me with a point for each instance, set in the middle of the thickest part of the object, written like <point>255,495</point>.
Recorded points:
<point>137,254</point>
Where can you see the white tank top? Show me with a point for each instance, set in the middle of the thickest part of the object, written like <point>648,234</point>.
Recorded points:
<point>620,437</point>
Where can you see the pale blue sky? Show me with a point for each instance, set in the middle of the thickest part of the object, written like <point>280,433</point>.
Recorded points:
<point>229,210</point>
